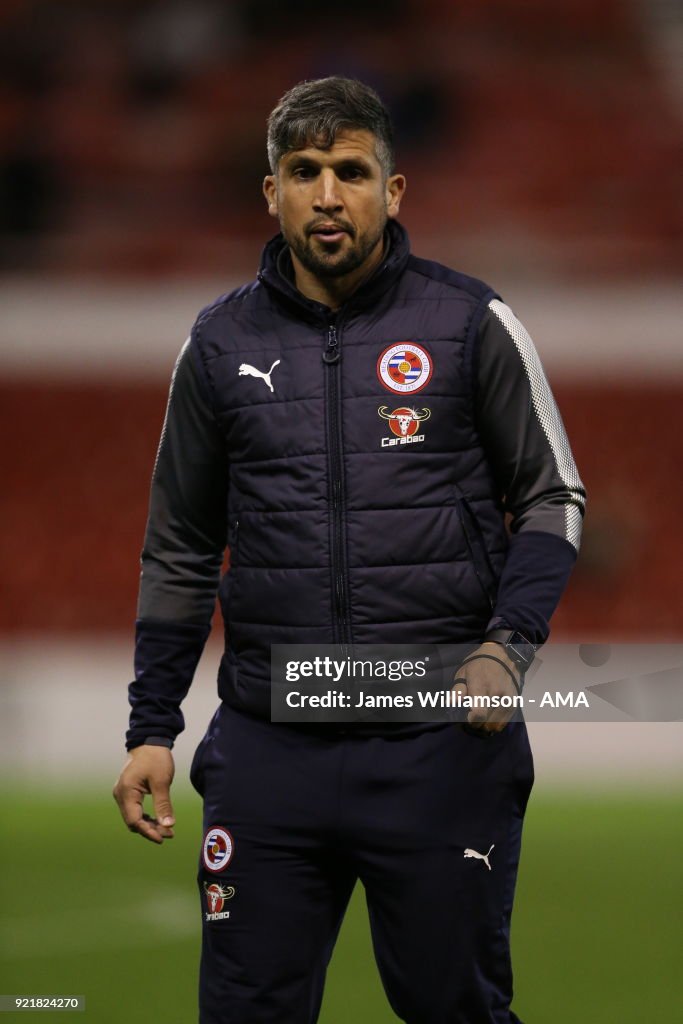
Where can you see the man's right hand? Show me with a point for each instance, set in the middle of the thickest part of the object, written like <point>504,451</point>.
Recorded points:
<point>149,770</point>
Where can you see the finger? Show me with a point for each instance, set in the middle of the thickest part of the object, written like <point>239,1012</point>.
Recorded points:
<point>497,720</point>
<point>163,808</point>
<point>459,686</point>
<point>129,798</point>
<point>147,828</point>
<point>130,805</point>
<point>481,717</point>
<point>459,689</point>
<point>478,716</point>
<point>161,830</point>
<point>490,720</point>
<point>495,727</point>
<point>475,716</point>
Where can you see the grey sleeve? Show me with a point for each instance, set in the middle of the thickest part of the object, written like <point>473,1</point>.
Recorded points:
<point>186,529</point>
<point>523,433</point>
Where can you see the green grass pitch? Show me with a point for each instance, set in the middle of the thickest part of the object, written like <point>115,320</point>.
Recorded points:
<point>89,909</point>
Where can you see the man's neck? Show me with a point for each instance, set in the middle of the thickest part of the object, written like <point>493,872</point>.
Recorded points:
<point>334,291</point>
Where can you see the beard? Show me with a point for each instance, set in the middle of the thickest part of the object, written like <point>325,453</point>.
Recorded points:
<point>336,260</point>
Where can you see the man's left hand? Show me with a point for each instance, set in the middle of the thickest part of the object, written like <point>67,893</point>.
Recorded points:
<point>482,677</point>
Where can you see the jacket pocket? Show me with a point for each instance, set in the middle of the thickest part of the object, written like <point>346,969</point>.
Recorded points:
<point>196,768</point>
<point>476,548</point>
<point>199,760</point>
<point>234,544</point>
<point>227,585</point>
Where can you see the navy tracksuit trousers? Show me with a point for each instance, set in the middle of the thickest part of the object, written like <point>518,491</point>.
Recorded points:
<point>429,822</point>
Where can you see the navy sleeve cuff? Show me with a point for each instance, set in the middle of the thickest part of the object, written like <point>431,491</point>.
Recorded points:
<point>536,572</point>
<point>152,741</point>
<point>166,657</point>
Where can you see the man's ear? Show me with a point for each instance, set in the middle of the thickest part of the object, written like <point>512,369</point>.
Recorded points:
<point>395,187</point>
<point>270,192</point>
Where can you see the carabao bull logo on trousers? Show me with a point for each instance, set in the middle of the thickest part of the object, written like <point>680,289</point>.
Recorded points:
<point>216,895</point>
<point>404,424</point>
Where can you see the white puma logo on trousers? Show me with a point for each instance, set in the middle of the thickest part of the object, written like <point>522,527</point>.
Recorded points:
<point>480,856</point>
<point>250,371</point>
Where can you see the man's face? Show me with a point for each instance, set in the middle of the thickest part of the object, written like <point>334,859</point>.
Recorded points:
<point>333,204</point>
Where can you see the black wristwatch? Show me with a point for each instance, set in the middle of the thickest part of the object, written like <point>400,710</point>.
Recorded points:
<point>517,646</point>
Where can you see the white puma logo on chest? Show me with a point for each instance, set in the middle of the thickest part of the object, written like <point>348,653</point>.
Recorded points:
<point>480,856</point>
<point>250,371</point>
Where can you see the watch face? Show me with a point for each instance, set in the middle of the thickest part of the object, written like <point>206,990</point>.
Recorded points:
<point>520,649</point>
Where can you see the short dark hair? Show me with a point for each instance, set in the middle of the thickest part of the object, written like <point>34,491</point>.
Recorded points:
<point>312,112</point>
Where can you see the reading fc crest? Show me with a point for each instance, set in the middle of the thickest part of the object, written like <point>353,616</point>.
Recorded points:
<point>218,849</point>
<point>404,368</point>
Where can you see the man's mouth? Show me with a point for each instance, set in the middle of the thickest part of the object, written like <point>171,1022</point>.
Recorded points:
<point>329,232</point>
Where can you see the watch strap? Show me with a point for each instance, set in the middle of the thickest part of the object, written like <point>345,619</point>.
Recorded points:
<point>519,648</point>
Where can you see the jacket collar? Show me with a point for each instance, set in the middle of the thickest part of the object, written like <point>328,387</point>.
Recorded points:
<point>277,274</point>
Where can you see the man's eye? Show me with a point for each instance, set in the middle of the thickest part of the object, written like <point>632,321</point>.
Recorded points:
<point>351,173</point>
<point>303,172</point>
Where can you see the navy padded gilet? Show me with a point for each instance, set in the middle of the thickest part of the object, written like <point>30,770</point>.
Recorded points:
<point>334,538</point>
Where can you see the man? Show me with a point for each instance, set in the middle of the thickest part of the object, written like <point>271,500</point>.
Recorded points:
<point>284,404</point>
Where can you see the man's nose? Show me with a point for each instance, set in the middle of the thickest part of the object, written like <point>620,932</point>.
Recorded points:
<point>328,197</point>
